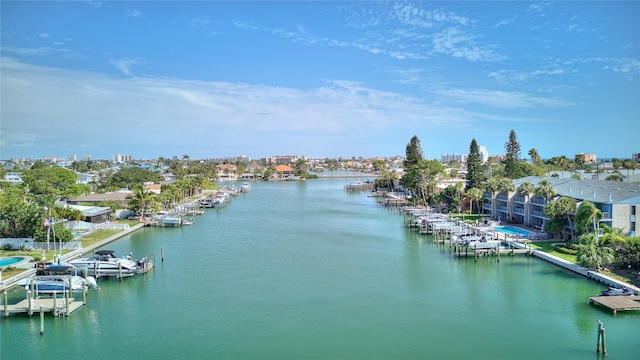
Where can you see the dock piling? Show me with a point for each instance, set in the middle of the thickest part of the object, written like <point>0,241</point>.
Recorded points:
<point>602,343</point>
<point>6,306</point>
<point>162,253</point>
<point>41,320</point>
<point>30,302</point>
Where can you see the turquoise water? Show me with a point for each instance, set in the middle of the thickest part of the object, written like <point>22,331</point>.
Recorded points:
<point>305,270</point>
<point>512,230</point>
<point>10,260</point>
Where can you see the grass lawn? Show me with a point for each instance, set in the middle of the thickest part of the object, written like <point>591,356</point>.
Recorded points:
<point>547,247</point>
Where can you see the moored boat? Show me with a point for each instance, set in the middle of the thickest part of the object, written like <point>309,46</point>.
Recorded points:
<point>57,279</point>
<point>614,291</point>
<point>105,263</point>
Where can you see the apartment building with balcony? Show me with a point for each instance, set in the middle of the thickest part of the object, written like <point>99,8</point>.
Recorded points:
<point>617,201</point>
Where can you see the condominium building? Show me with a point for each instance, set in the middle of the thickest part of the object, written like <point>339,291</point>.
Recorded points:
<point>617,201</point>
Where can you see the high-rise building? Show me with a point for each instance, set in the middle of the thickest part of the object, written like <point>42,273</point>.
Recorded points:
<point>484,154</point>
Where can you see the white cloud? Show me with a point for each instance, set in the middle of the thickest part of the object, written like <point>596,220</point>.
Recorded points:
<point>125,65</point>
<point>457,43</point>
<point>133,12</point>
<point>61,107</point>
<point>500,99</point>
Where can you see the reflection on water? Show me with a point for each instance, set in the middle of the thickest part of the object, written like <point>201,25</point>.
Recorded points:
<point>306,270</point>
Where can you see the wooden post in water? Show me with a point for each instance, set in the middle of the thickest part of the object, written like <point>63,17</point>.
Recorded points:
<point>66,304</point>
<point>5,313</point>
<point>84,293</point>
<point>162,253</point>
<point>153,257</point>
<point>120,271</point>
<point>95,270</point>
<point>30,302</point>
<point>601,339</point>
<point>41,320</point>
<point>55,304</point>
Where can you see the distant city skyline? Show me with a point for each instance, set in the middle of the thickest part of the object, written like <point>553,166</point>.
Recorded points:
<point>322,79</point>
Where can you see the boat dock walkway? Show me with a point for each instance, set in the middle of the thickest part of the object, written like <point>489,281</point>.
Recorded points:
<point>617,303</point>
<point>56,306</point>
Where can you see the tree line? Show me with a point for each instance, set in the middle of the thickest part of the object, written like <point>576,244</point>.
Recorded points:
<point>595,245</point>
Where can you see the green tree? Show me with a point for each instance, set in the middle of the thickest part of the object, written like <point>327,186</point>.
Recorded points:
<point>592,254</point>
<point>20,216</point>
<point>579,160</point>
<point>512,148</point>
<point>587,215</point>
<point>128,177</point>
<point>50,180</point>
<point>535,157</point>
<point>561,209</point>
<point>545,189</point>
<point>474,166</point>
<point>629,165</point>
<point>140,201</point>
<point>413,153</point>
<point>475,196</point>
<point>452,196</point>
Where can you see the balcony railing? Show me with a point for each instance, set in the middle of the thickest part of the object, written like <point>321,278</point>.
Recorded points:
<point>537,201</point>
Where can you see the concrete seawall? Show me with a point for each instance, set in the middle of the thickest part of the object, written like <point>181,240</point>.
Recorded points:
<point>579,269</point>
<point>8,283</point>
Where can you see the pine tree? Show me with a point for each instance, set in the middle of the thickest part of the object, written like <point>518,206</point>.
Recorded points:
<point>513,155</point>
<point>413,153</point>
<point>474,162</point>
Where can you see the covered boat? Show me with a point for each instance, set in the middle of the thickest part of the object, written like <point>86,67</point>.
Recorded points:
<point>57,279</point>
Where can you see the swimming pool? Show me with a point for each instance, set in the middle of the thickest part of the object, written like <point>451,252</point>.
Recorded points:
<point>512,230</point>
<point>10,260</point>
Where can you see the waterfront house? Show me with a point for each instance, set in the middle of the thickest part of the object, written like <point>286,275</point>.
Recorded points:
<point>284,171</point>
<point>227,172</point>
<point>119,197</point>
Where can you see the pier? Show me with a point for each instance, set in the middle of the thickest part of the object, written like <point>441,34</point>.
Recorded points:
<point>617,303</point>
<point>55,306</point>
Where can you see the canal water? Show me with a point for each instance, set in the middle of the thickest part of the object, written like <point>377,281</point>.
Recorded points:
<point>305,270</point>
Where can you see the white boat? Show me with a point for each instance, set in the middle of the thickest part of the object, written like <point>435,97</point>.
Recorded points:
<point>57,279</point>
<point>245,188</point>
<point>105,263</point>
<point>476,242</point>
<point>169,219</point>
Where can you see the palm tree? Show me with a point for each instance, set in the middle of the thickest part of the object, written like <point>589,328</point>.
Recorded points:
<point>505,186</point>
<point>593,255</point>
<point>629,165</point>
<point>140,200</point>
<point>610,235</point>
<point>567,206</point>
<point>526,189</point>
<point>545,190</point>
<point>587,214</point>
<point>474,195</point>
<point>535,157</point>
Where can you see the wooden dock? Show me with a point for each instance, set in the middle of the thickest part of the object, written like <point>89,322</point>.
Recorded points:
<point>57,307</point>
<point>617,303</point>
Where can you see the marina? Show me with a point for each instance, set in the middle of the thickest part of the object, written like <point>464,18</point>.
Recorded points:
<point>308,270</point>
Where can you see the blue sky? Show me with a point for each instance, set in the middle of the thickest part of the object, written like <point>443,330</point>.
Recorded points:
<point>322,79</point>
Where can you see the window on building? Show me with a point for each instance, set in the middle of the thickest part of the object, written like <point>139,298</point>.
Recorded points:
<point>632,227</point>
<point>633,210</point>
